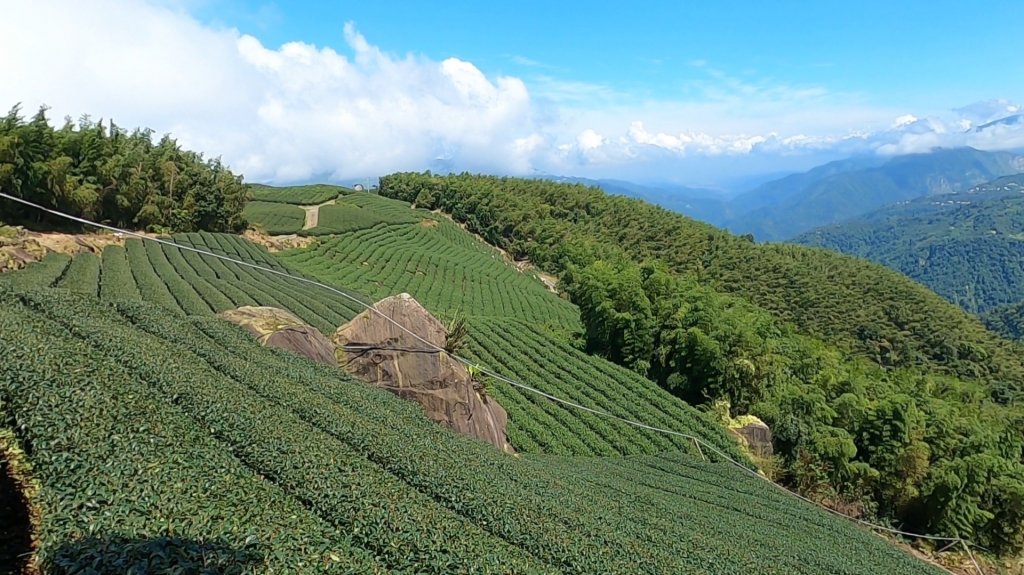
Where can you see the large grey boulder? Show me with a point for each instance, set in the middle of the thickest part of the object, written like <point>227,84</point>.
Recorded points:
<point>380,353</point>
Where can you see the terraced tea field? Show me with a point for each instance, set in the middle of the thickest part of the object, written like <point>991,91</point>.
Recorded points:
<point>160,442</point>
<point>298,195</point>
<point>189,284</point>
<point>442,266</point>
<point>356,213</point>
<point>321,210</point>
<point>516,348</point>
<point>275,218</point>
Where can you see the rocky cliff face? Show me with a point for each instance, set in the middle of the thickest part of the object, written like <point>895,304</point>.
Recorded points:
<point>381,354</point>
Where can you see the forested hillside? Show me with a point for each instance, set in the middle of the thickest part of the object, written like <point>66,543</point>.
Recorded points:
<point>105,173</point>
<point>880,394</point>
<point>967,247</point>
<point>842,190</point>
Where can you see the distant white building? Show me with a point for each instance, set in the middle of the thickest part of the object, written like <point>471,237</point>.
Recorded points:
<point>359,188</point>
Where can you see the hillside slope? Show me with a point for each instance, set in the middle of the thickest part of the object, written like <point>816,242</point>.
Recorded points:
<point>879,393</point>
<point>968,247</point>
<point>158,442</point>
<point>186,283</point>
<point>796,204</point>
<point>193,445</point>
<point>847,302</point>
<point>441,265</point>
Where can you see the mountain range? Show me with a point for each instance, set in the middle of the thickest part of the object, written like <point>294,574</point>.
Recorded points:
<point>783,208</point>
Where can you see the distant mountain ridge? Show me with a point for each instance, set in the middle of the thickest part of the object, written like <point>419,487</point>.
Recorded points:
<point>700,203</point>
<point>968,247</point>
<point>831,193</point>
<point>856,187</point>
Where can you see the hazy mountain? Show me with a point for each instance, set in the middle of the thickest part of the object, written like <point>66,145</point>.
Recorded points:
<point>796,204</point>
<point>704,204</point>
<point>782,189</point>
<point>968,247</point>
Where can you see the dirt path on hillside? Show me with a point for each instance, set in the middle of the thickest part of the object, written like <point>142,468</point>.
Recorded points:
<point>313,214</point>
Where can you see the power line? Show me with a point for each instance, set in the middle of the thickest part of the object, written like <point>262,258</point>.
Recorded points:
<point>697,441</point>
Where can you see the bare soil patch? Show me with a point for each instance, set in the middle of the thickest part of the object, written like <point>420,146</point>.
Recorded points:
<point>313,214</point>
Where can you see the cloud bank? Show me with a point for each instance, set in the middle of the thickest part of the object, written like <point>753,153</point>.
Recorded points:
<point>299,111</point>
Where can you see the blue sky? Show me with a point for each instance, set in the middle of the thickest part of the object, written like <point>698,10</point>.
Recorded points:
<point>696,93</point>
<point>912,53</point>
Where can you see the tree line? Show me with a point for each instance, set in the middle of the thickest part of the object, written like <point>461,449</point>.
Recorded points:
<point>105,173</point>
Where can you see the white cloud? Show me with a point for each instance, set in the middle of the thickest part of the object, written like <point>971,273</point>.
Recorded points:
<point>300,111</point>
<point>289,113</point>
<point>589,139</point>
<point>904,120</point>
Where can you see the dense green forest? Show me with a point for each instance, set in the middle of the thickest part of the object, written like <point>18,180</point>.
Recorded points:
<point>105,173</point>
<point>845,189</point>
<point>881,396</point>
<point>968,247</point>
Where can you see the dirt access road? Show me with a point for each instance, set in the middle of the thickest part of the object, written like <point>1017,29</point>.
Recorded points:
<point>313,214</point>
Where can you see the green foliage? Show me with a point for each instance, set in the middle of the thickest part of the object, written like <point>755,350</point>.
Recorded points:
<point>342,218</point>
<point>43,273</point>
<point>82,275</point>
<point>274,219</point>
<point>299,195</point>
<point>121,470</point>
<point>968,247</point>
<point>108,174</point>
<point>188,283</point>
<point>164,443</point>
<point>116,281</point>
<point>537,425</point>
<point>456,332</point>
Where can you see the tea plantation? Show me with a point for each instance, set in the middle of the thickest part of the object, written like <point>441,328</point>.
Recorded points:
<point>162,440</point>
<point>297,195</point>
<point>161,443</point>
<point>275,218</point>
<point>441,265</point>
<point>186,283</point>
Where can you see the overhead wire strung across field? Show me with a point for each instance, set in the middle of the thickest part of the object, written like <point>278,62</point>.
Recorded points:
<point>698,442</point>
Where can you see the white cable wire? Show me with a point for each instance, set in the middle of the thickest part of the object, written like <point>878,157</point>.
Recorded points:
<point>487,371</point>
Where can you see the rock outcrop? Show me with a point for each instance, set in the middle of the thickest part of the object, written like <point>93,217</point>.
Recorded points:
<point>275,327</point>
<point>381,354</point>
<point>754,433</point>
